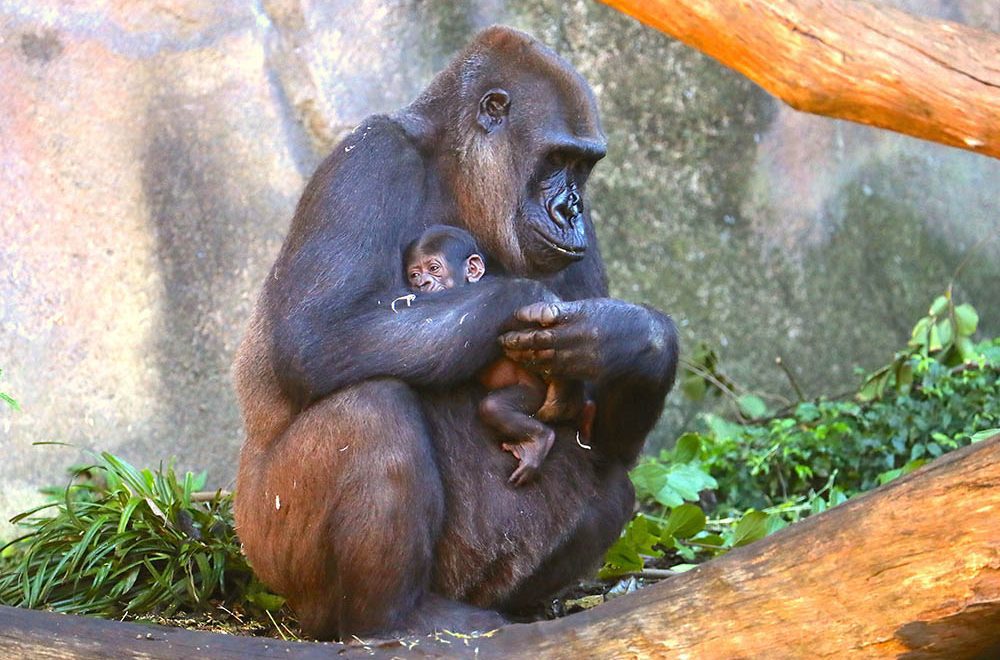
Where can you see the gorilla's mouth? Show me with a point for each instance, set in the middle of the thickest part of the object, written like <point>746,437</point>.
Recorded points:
<point>574,250</point>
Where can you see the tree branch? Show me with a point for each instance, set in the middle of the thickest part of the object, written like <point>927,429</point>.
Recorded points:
<point>848,59</point>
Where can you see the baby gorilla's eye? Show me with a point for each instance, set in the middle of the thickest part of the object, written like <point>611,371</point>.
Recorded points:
<point>435,268</point>
<point>414,275</point>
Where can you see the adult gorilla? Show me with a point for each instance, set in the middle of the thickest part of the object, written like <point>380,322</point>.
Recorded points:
<point>369,493</point>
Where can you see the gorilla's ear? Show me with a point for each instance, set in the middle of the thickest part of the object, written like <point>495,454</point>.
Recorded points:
<point>474,268</point>
<point>493,107</point>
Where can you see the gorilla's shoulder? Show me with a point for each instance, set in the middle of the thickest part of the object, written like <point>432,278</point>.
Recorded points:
<point>379,144</point>
<point>396,132</point>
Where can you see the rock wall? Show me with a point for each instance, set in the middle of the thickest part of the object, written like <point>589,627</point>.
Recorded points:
<point>151,154</point>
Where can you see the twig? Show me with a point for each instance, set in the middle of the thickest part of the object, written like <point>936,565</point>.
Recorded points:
<point>276,626</point>
<point>791,379</point>
<point>968,256</point>
<point>209,495</point>
<point>655,573</point>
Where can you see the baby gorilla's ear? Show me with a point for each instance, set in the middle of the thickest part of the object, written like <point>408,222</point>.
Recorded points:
<point>474,268</point>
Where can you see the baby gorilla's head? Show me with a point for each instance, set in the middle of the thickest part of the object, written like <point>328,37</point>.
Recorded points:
<point>442,257</point>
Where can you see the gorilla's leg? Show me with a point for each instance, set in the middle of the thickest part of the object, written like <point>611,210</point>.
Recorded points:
<point>582,549</point>
<point>341,514</point>
<point>509,410</point>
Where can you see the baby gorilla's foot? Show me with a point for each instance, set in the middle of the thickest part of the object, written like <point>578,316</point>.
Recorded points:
<point>530,453</point>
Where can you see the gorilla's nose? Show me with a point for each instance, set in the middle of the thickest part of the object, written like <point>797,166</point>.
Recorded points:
<point>566,208</point>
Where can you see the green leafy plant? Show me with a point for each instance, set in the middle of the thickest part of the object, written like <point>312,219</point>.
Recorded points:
<point>668,485</point>
<point>945,335</point>
<point>866,443</point>
<point>939,393</point>
<point>675,476</point>
<point>120,540</point>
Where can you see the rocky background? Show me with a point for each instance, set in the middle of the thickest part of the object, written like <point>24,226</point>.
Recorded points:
<point>151,154</point>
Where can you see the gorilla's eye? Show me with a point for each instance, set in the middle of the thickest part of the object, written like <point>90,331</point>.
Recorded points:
<point>493,107</point>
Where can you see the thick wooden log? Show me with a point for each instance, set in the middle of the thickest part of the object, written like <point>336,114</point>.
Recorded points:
<point>33,634</point>
<point>848,59</point>
<point>910,570</point>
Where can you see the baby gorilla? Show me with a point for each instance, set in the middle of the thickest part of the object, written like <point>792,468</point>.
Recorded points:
<point>444,257</point>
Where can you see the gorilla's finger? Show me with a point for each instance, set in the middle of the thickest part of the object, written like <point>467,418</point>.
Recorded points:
<point>520,340</point>
<point>544,355</point>
<point>533,359</point>
<point>543,314</point>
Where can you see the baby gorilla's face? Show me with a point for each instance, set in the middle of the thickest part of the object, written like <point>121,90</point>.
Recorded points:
<point>429,273</point>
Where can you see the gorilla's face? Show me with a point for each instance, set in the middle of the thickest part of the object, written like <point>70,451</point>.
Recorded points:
<point>550,224</point>
<point>526,142</point>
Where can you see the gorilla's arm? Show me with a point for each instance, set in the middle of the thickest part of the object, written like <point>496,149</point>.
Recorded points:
<point>330,293</point>
<point>629,352</point>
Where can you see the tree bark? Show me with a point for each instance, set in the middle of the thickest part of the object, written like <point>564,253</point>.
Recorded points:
<point>911,569</point>
<point>848,59</point>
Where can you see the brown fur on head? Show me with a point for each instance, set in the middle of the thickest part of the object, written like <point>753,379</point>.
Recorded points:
<point>491,165</point>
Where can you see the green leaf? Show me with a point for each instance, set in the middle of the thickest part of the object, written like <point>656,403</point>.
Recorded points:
<point>694,386</point>
<point>807,411</point>
<point>944,332</point>
<point>966,349</point>
<point>985,435</point>
<point>127,512</point>
<point>904,376</point>
<point>669,497</point>
<point>751,527</point>
<point>648,478</point>
<point>688,448</point>
<point>967,319</point>
<point>625,555</point>
<point>887,476</point>
<point>752,407</point>
<point>918,338</point>
<point>934,341</point>
<point>774,523</point>
<point>684,522</point>
<point>9,400</point>
<point>818,506</point>
<point>874,387</point>
<point>686,552</point>
<point>712,540</point>
<point>267,601</point>
<point>723,429</point>
<point>686,481</point>
<point>939,306</point>
<point>910,466</point>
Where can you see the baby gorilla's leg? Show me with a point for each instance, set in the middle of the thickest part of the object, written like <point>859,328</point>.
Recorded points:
<point>509,410</point>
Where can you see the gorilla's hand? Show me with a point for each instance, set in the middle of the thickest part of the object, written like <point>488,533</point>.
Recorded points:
<point>596,340</point>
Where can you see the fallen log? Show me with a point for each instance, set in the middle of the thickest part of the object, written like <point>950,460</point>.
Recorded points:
<point>911,569</point>
<point>875,65</point>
